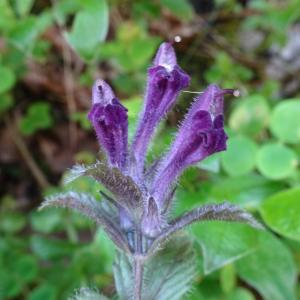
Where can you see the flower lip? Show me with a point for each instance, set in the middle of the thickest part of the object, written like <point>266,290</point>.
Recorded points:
<point>165,57</point>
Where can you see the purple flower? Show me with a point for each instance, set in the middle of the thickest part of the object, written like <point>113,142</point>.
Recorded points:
<point>200,135</point>
<point>165,80</point>
<point>143,195</point>
<point>110,121</point>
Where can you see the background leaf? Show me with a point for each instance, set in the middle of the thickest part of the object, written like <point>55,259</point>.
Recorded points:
<point>89,28</point>
<point>180,8</point>
<point>8,79</point>
<point>22,7</point>
<point>285,121</point>
<point>270,269</point>
<point>276,161</point>
<point>250,116</point>
<point>223,243</point>
<point>282,213</point>
<point>239,158</point>
<point>37,117</point>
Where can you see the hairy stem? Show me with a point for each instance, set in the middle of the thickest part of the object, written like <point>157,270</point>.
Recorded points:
<point>138,278</point>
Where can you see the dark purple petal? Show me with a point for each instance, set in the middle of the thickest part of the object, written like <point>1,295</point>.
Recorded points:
<point>200,135</point>
<point>219,121</point>
<point>109,119</point>
<point>165,80</point>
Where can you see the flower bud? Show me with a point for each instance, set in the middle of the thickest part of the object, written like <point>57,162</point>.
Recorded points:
<point>165,80</point>
<point>200,135</point>
<point>109,119</point>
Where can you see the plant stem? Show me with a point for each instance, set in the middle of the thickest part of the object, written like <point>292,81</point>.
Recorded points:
<point>138,267</point>
<point>26,154</point>
<point>138,278</point>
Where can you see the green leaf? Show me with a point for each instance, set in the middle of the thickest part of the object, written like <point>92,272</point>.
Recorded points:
<point>282,213</point>
<point>10,285</point>
<point>37,117</point>
<point>46,221</point>
<point>42,292</point>
<point>250,116</point>
<point>228,278</point>
<point>89,28</point>
<point>81,118</point>
<point>105,249</point>
<point>17,269</point>
<point>239,158</point>
<point>209,289</point>
<point>211,163</point>
<point>270,269</point>
<point>180,8</point>
<point>25,33</point>
<point>7,81</point>
<point>7,17</point>
<point>223,243</point>
<point>12,222</point>
<point>26,267</point>
<point>6,102</point>
<point>285,121</point>
<point>138,53</point>
<point>248,190</point>
<point>46,248</point>
<point>134,106</point>
<point>63,8</point>
<point>22,7</point>
<point>276,161</point>
<point>240,294</point>
<point>221,71</point>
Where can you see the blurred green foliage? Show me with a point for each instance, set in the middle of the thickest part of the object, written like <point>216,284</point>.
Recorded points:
<point>48,254</point>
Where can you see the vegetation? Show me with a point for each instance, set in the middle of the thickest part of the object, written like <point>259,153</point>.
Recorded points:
<point>50,54</point>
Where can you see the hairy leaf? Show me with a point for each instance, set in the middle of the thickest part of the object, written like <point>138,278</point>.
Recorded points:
<point>122,269</point>
<point>168,275</point>
<point>88,294</point>
<point>124,189</point>
<point>218,212</point>
<point>89,207</point>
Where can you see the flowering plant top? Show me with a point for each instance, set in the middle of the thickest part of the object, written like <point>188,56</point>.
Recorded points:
<point>136,215</point>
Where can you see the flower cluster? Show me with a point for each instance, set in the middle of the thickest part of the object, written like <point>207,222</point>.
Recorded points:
<point>201,134</point>
<point>136,213</point>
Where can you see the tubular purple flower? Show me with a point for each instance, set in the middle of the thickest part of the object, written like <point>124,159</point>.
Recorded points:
<point>109,119</point>
<point>165,80</point>
<point>200,135</point>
